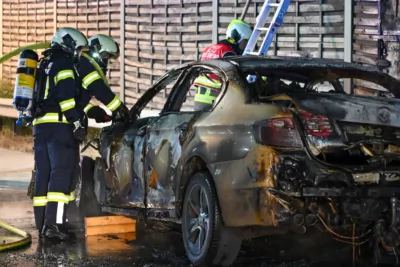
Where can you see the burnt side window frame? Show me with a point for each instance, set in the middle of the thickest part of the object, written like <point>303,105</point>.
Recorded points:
<point>155,89</point>
<point>175,99</point>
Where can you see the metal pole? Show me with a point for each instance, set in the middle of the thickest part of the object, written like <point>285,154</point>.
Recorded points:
<point>1,38</point>
<point>215,21</point>
<point>348,39</point>
<point>122,56</point>
<point>246,7</point>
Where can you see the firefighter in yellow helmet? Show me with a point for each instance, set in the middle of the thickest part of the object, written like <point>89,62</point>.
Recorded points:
<point>237,35</point>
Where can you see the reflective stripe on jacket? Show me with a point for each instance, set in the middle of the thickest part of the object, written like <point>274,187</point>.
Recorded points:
<point>59,104</point>
<point>205,95</point>
<point>49,118</point>
<point>211,89</point>
<point>211,84</point>
<point>93,82</point>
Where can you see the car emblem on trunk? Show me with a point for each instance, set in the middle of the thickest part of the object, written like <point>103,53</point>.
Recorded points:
<point>383,114</point>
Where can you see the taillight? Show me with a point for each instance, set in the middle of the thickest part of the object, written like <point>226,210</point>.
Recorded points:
<point>278,123</point>
<point>316,125</point>
<point>277,132</point>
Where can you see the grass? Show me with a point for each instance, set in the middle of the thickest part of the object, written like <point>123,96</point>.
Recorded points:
<point>6,89</point>
<point>8,140</point>
<point>24,140</point>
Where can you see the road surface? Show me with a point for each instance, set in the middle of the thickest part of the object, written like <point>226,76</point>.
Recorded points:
<point>146,248</point>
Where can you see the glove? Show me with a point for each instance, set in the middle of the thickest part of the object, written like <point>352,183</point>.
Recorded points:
<point>78,130</point>
<point>121,113</point>
<point>99,114</point>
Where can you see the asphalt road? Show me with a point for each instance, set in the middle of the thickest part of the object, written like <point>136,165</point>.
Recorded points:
<point>146,248</point>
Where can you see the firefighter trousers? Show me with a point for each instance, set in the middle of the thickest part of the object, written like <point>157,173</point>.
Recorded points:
<point>55,157</point>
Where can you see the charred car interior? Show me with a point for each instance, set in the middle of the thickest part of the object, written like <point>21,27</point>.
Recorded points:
<point>289,152</point>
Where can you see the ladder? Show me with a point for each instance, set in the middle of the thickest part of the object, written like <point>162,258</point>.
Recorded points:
<point>261,20</point>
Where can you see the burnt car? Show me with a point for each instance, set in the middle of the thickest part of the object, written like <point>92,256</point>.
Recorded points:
<point>288,152</point>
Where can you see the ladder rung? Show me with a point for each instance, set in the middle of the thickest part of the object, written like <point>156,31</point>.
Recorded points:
<point>269,27</point>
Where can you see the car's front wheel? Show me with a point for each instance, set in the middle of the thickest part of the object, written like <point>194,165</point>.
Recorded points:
<point>207,242</point>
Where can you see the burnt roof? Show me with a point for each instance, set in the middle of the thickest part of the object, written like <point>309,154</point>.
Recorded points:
<point>251,62</point>
<point>313,68</point>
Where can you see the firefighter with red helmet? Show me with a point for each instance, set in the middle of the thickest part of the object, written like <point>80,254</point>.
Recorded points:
<point>237,35</point>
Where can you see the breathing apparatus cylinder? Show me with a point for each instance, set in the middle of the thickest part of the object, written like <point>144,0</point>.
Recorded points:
<point>25,80</point>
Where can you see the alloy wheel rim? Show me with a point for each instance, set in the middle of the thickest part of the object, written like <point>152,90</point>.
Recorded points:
<point>197,220</point>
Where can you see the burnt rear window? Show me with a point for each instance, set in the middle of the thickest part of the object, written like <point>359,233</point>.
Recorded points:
<point>269,82</point>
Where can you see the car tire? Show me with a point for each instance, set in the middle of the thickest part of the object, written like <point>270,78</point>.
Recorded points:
<point>220,246</point>
<point>88,206</point>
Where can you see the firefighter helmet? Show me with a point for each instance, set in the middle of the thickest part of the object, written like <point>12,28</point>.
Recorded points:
<point>103,48</point>
<point>69,39</point>
<point>238,31</point>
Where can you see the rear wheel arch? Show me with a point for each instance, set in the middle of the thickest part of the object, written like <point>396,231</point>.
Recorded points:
<point>192,166</point>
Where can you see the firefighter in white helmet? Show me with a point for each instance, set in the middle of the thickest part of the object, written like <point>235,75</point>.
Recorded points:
<point>102,49</point>
<point>57,128</point>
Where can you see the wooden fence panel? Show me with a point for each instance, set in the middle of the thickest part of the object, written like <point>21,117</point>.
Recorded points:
<point>366,34</point>
<point>160,34</point>
<point>24,22</point>
<point>311,27</point>
<point>92,17</point>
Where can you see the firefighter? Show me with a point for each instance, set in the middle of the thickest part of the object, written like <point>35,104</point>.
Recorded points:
<point>57,127</point>
<point>237,35</point>
<point>102,49</point>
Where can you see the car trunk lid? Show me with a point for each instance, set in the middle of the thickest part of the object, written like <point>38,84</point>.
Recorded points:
<point>348,108</point>
<point>341,127</point>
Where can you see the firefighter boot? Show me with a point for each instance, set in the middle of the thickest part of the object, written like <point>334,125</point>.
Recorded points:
<point>55,232</point>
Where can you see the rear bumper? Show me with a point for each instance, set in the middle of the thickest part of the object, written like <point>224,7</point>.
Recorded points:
<point>267,186</point>
<point>377,192</point>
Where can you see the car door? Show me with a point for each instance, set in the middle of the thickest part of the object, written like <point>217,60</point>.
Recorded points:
<point>165,137</point>
<point>128,183</point>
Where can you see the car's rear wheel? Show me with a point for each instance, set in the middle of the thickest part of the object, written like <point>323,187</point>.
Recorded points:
<point>88,206</point>
<point>207,242</point>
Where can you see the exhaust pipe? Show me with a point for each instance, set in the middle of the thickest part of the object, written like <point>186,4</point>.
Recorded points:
<point>311,220</point>
<point>297,226</point>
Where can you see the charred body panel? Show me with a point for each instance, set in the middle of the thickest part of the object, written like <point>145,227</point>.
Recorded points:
<point>247,199</point>
<point>362,131</point>
<point>216,141</point>
<point>163,153</point>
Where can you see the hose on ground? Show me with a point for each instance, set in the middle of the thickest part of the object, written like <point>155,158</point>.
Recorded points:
<point>26,237</point>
